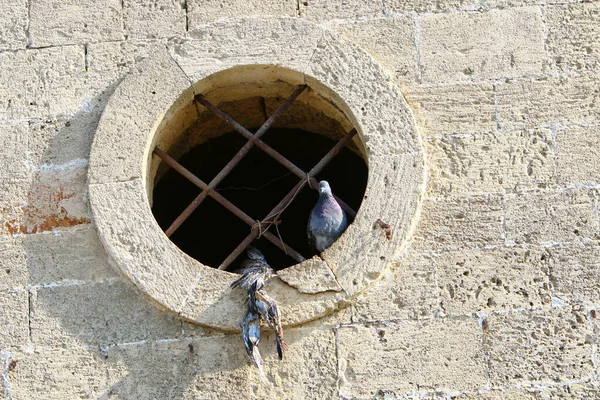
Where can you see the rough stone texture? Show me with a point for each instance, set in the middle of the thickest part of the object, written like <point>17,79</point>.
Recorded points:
<point>407,290</point>
<point>74,21</point>
<point>201,12</point>
<point>548,345</point>
<point>42,82</point>
<point>171,278</point>
<point>14,140</point>
<point>551,216</point>
<point>189,369</point>
<point>463,223</point>
<point>96,314</point>
<point>577,391</point>
<point>377,105</point>
<point>167,18</point>
<point>573,36</point>
<point>109,62</point>
<point>58,374</point>
<point>531,103</point>
<point>492,280</point>
<point>390,41</point>
<point>577,146</point>
<point>495,44</point>
<point>14,312</point>
<point>453,109</point>
<point>574,271</point>
<point>409,356</point>
<point>491,163</point>
<point>288,43</point>
<point>322,279</point>
<point>42,260</point>
<point>13,24</point>
<point>321,10</point>
<point>125,127</point>
<point>50,199</point>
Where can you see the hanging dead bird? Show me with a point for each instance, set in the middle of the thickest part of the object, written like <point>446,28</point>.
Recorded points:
<point>255,271</point>
<point>269,312</point>
<point>327,220</point>
<point>251,335</point>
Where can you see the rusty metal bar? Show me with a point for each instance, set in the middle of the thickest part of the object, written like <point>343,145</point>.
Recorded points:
<point>232,163</point>
<point>268,149</point>
<point>247,134</point>
<point>295,190</point>
<point>225,203</point>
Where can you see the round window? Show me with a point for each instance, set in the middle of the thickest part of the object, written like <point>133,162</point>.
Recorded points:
<point>258,189</point>
<point>176,204</point>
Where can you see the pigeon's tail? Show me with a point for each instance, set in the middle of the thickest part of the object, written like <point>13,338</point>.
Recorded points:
<point>258,362</point>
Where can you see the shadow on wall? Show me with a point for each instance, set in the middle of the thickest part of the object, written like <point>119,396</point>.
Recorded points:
<point>96,336</point>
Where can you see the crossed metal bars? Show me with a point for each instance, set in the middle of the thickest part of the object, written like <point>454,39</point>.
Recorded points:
<point>258,228</point>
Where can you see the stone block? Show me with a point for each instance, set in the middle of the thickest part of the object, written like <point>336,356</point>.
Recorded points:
<point>201,12</point>
<point>408,290</point>
<point>42,82</point>
<point>574,391</point>
<point>323,10</point>
<point>58,374</point>
<point>58,22</point>
<point>14,141</point>
<point>60,142</point>
<point>491,163</point>
<point>67,255</point>
<point>285,42</point>
<point>493,280</point>
<point>151,20</point>
<point>13,264</point>
<point>453,109</point>
<point>189,368</point>
<point>342,71</point>
<point>13,24</point>
<point>97,314</point>
<point>14,318</point>
<point>577,148</point>
<point>551,216</point>
<point>459,224</point>
<point>56,199</point>
<point>573,37</point>
<point>575,272</point>
<point>411,356</point>
<point>489,45</point>
<point>390,41</point>
<point>547,345</point>
<point>13,198</point>
<point>531,103</point>
<point>44,259</point>
<point>424,6</point>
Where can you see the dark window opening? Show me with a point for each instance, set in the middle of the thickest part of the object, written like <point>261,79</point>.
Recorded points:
<point>255,186</point>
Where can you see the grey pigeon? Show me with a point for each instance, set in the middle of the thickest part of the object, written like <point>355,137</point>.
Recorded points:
<point>327,220</point>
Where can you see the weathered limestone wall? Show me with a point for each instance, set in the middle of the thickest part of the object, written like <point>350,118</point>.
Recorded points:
<point>496,298</point>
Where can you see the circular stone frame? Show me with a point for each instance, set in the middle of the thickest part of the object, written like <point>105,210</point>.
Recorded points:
<point>156,96</point>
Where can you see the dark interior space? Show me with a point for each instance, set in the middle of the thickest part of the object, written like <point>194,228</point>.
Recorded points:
<point>255,186</point>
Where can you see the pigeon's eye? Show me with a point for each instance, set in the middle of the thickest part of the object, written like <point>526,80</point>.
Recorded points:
<point>238,173</point>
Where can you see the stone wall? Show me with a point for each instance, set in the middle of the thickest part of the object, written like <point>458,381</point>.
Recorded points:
<point>496,297</point>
